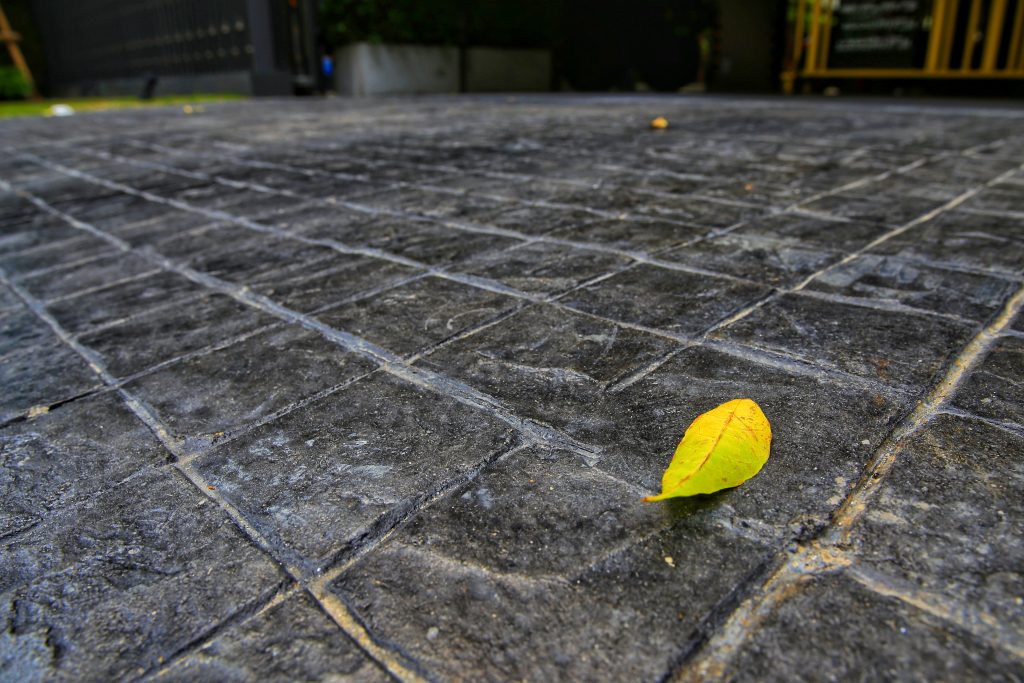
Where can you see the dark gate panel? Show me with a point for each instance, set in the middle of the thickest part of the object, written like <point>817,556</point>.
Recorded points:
<point>188,42</point>
<point>96,39</point>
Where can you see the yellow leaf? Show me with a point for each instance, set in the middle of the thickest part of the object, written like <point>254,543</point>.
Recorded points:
<point>721,448</point>
<point>659,123</point>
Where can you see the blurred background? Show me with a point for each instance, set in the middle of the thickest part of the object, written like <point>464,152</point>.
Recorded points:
<point>161,48</point>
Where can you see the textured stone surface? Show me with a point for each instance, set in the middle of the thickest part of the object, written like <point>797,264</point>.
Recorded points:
<point>892,280</point>
<point>463,338</point>
<point>146,340</point>
<point>290,641</point>
<point>821,436</point>
<point>112,587</point>
<point>64,457</point>
<point>886,346</point>
<point>944,520</point>
<point>542,268</point>
<point>766,261</point>
<point>994,390</point>
<point>549,364</point>
<point>674,301</point>
<point>420,314</point>
<point>321,477</point>
<point>835,629</point>
<point>122,301</point>
<point>207,395</point>
<point>537,570</point>
<point>962,239</point>
<point>42,374</point>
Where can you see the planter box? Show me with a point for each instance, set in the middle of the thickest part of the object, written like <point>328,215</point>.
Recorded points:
<point>363,69</point>
<point>366,69</point>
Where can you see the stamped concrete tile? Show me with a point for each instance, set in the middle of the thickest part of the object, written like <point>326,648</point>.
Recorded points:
<point>886,346</point>
<point>255,257</point>
<point>943,520</point>
<point>45,373</point>
<point>54,257</point>
<point>625,614</point>
<point>34,230</point>
<point>325,477</point>
<point>99,272</point>
<point>332,281</point>
<point>542,268</point>
<point>1001,198</point>
<point>538,512</point>
<point>962,239</point>
<point>675,301</point>
<point>893,211</point>
<point>823,434</point>
<point>650,236</point>
<point>548,364</point>
<point>443,246</point>
<point>9,301</point>
<point>204,396</point>
<point>418,315</point>
<point>21,329</point>
<point>995,389</point>
<point>113,587</point>
<point>535,220</point>
<point>63,457</point>
<point>799,230</point>
<point>292,641</point>
<point>892,280</point>
<point>162,227</point>
<point>769,262</point>
<point>134,345</point>
<point>133,297</point>
<point>835,629</point>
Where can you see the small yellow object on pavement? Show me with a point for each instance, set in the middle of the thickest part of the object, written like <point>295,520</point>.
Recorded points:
<point>721,448</point>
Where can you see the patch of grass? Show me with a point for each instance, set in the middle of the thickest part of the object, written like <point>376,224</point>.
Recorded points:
<point>89,104</point>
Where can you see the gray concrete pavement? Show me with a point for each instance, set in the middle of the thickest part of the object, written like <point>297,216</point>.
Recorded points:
<point>335,390</point>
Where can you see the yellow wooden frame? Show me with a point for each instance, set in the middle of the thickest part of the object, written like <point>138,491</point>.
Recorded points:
<point>10,39</point>
<point>809,44</point>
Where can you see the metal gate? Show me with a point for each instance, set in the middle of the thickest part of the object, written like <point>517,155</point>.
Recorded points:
<point>937,39</point>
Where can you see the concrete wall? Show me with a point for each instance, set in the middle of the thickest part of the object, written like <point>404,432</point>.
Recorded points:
<point>365,69</point>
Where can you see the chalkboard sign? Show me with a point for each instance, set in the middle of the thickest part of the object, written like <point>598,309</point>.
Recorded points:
<point>879,34</point>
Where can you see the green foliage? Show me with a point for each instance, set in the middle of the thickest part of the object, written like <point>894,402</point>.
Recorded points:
<point>13,85</point>
<point>502,23</point>
<point>391,21</point>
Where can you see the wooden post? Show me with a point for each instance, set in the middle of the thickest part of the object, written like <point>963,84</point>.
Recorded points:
<point>10,39</point>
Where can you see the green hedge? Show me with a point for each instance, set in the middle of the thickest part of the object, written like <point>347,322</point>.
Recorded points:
<point>501,23</point>
<point>13,85</point>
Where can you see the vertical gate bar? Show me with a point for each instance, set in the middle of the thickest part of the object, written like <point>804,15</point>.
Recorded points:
<point>971,35</point>
<point>826,38</point>
<point>811,63</point>
<point>993,36</point>
<point>798,33</point>
<point>1013,54</point>
<point>935,35</point>
<point>949,34</point>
